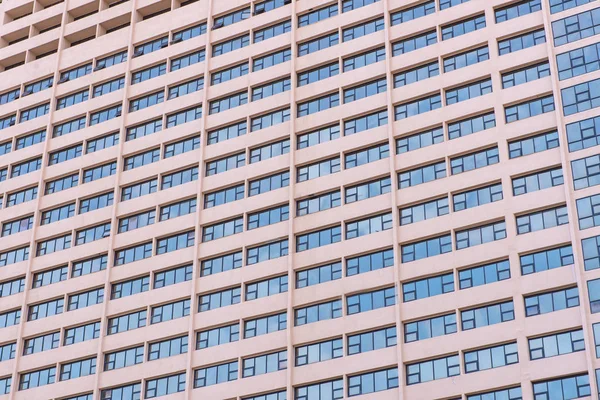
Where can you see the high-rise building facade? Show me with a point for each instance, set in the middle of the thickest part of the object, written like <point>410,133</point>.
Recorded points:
<point>299,199</point>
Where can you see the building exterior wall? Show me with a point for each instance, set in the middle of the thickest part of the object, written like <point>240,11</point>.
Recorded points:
<point>44,39</point>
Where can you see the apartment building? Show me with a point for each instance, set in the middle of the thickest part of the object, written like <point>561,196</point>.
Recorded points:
<point>299,199</point>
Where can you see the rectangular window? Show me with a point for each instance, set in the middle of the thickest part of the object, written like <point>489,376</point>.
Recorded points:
<point>596,329</point>
<point>265,325</point>
<point>270,60</point>
<point>475,160</point>
<point>319,238</point>
<point>477,197</point>
<point>264,364</point>
<point>534,144</point>
<point>563,388</point>
<point>430,328</point>
<point>138,189</point>
<point>369,301</point>
<point>491,357</point>
<point>8,288</point>
<point>111,60</point>
<point>270,119</point>
<point>132,254</point>
<point>185,88</point>
<point>22,196</point>
<point>187,60</point>
<point>226,133</point>
<point>82,333</point>
<point>483,274</point>
<point>594,294</point>
<point>142,130</point>
<point>367,190</point>
<point>427,287</point>
<point>471,125</point>
<point>182,117</point>
<point>150,47</point>
<point>368,226</point>
<point>585,172</point>
<point>463,27</point>
<point>34,112</point>
<point>217,336</point>
<point>266,252</point>
<point>417,107</point>
<point>72,99</point>
<point>269,151</point>
<point>318,312</point>
<point>267,217</point>
<point>102,142</point>
<point>581,97</point>
<point>108,87</point>
<point>136,221</point>
<point>487,315</point>
<point>133,391</point>
<point>14,94</point>
<point>123,358</point>
<point>578,62</point>
<point>47,309</point>
<point>562,5</point>
<point>419,140</point>
<point>517,10</point>
<point>53,245</point>
<point>147,101</point>
<point>525,75</point>
<point>414,43</point>
<point>362,30</point>
<point>408,14</point>
<point>76,369</point>
<point>26,167</point>
<point>470,91</point>
<point>508,394</point>
<point>480,235</point>
<point>92,234</point>
<point>164,386</point>
<point>229,102</point>
<point>75,73</point>
<point>364,90</point>
<point>89,265</point>
<point>333,390</point>
<point>222,229</point>
<point>422,175</point>
<point>175,242</point>
<point>169,311</point>
<point>31,139</point>
<point>172,276</point>
<point>320,43</point>
<point>318,203</point>
<point>216,374</point>
<point>99,172</point>
<point>317,15</point>
<point>269,183</point>
<point>37,378</point>
<point>349,5</point>
<point>50,276</point>
<point>68,127</point>
<point>544,219</point>
<point>179,178</point>
<point>319,136</point>
<point>126,322</point>
<point>318,169</point>
<point>222,263</point>
<point>319,104</point>
<point>96,202</point>
<point>548,259</point>
<point>373,340</point>
<point>60,156</point>
<point>231,18</point>
<point>85,299</point>
<point>318,352</point>
<point>462,60</point>
<point>424,211</point>
<point>538,181</point>
<point>575,27</point>
<point>228,74</point>
<point>363,59</point>
<point>551,301</point>
<point>19,225</point>
<point>272,31</point>
<point>7,121</point>
<point>318,74</point>
<point>556,344</point>
<point>521,42</point>
<point>167,348</point>
<point>371,154</point>
<point>220,299</point>
<point>369,262</point>
<point>10,318</point>
<point>439,368</point>
<point>148,73</point>
<point>105,115</point>
<point>266,288</point>
<point>317,275</point>
<point>222,196</point>
<point>130,287</point>
<point>416,74</point>
<point>231,45</point>
<point>426,248</point>
<point>5,147</point>
<point>7,351</point>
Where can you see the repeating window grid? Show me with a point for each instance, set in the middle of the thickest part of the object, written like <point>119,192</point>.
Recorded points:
<point>270,60</point>
<point>8,121</point>
<point>280,395</point>
<point>416,107</point>
<point>50,276</point>
<point>414,43</point>
<point>556,344</point>
<point>529,109</point>
<point>578,386</point>
<point>270,119</point>
<point>41,343</point>
<point>19,225</point>
<point>14,256</point>
<point>371,382</point>
<point>108,87</point>
<point>467,58</point>
<point>430,328</point>
<point>225,164</point>
<point>422,175</point>
<point>367,190</point>
<point>222,229</point>
<point>444,4</point>
<point>320,43</point>
<point>583,134</point>
<point>265,325</point>
<point>491,357</point>
<point>548,259</point>
<point>416,74</point>
<point>265,152</point>
<point>483,274</point>
<point>151,46</point>
<point>123,358</point>
<point>185,88</point>
<point>534,144</point>
<point>217,336</point>
<point>318,169</point>
<point>102,142</point>
<point>318,312</point>
<point>75,73</point>
<point>130,287</point>
<point>95,203</point>
<point>480,235</point>
<point>222,263</point>
<point>272,31</point>
<point>318,203</point>
<point>167,348</point>
<point>215,300</point>
<point>477,197</point>
<point>126,322</point>
<point>427,287</point>
<point>419,140</point>
<point>586,172</point>
<point>370,341</point>
<point>92,234</point>
<point>544,219</point>
<point>112,60</point>
<point>439,368</point>
<point>362,29</point>
<point>184,116</point>
<point>581,97</point>
<point>424,211</point>
<point>99,172</point>
<point>216,374</point>
<point>81,333</point>
<point>551,301</point>
<point>269,5</point>
<point>268,287</point>
<point>521,42</point>
<point>175,242</point>
<point>463,27</point>
<point>170,311</point>
<point>475,160</point>
<point>264,364</point>
<point>35,87</point>
<point>267,217</point>
<point>487,315</point>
